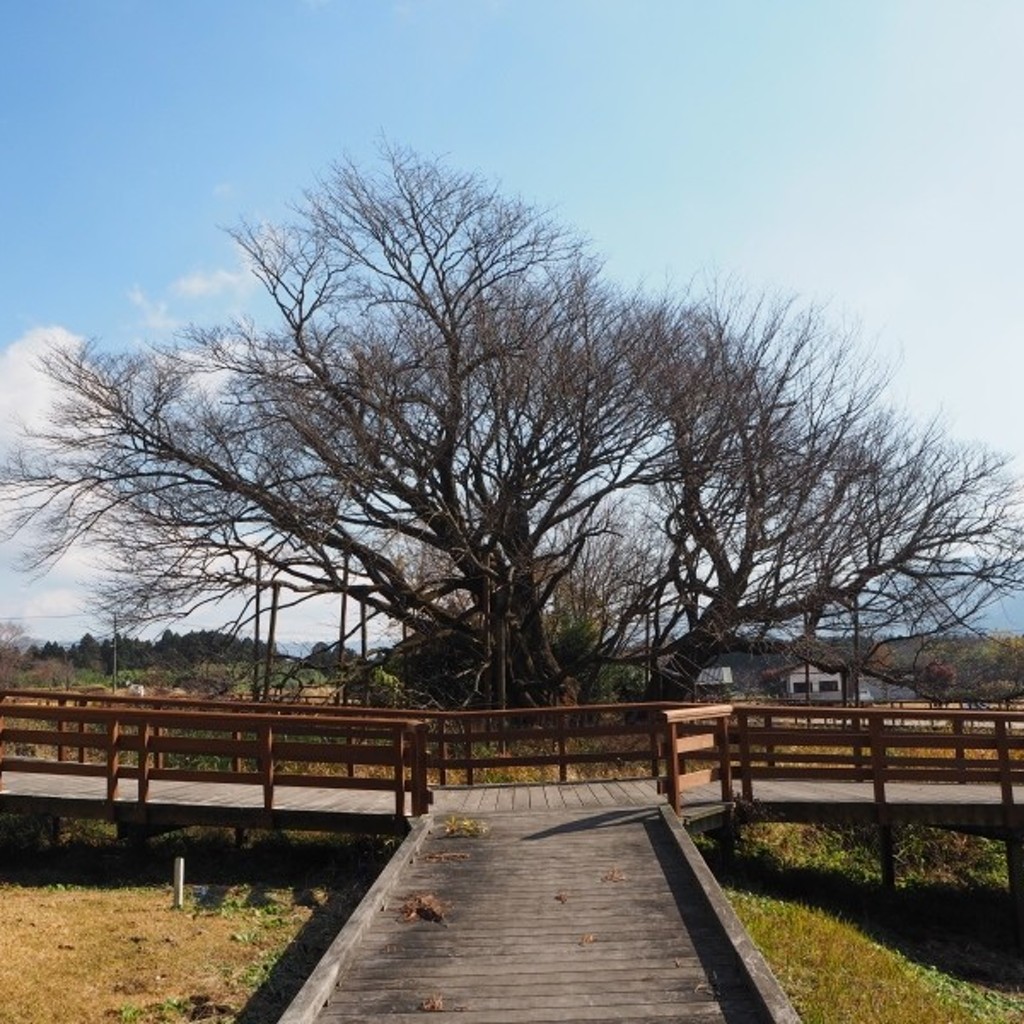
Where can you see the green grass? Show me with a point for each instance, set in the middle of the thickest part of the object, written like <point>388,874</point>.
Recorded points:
<point>835,973</point>
<point>939,949</point>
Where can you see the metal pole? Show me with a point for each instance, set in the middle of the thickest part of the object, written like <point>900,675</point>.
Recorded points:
<point>343,633</point>
<point>179,882</point>
<point>275,593</point>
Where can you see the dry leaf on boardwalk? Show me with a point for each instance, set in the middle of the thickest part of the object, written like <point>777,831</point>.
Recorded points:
<point>615,875</point>
<point>424,906</point>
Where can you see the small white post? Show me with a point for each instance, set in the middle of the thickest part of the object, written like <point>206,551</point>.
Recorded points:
<point>179,882</point>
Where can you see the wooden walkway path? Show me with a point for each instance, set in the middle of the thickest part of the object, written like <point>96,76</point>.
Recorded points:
<point>239,805</point>
<point>601,914</point>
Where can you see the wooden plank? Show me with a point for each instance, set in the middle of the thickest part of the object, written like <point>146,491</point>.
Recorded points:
<point>317,989</point>
<point>549,916</point>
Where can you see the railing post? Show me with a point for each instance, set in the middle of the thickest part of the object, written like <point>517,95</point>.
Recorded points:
<point>420,787</point>
<point>62,725</point>
<point>113,758</point>
<point>747,783</point>
<point>725,757</point>
<point>81,734</point>
<point>401,750</point>
<point>442,750</point>
<point>958,754</point>
<point>350,739</point>
<point>145,743</point>
<point>655,741</point>
<point>468,730</point>
<point>266,748</point>
<point>2,727</point>
<point>672,786</point>
<point>858,748</point>
<point>563,768</point>
<point>876,732</point>
<point>1005,770</point>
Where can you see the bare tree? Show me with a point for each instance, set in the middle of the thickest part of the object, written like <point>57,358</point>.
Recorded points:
<point>451,406</point>
<point>458,420</point>
<point>799,507</point>
<point>13,641</point>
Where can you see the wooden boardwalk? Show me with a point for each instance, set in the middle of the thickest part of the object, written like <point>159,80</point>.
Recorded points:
<point>240,806</point>
<point>584,901</point>
<point>223,804</point>
<point>599,914</point>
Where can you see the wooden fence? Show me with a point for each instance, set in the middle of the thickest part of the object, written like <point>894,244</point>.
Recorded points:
<point>128,737</point>
<point>879,746</point>
<point>682,746</point>
<point>214,747</point>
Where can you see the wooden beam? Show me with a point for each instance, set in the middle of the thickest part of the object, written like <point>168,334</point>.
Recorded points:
<point>886,852</point>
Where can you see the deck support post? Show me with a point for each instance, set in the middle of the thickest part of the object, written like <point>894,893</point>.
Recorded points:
<point>725,840</point>
<point>1015,872</point>
<point>887,855</point>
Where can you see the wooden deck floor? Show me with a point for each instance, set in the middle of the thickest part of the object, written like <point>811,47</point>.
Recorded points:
<point>562,915</point>
<point>179,803</point>
<point>191,803</point>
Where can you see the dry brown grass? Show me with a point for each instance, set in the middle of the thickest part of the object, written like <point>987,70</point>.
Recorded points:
<point>90,935</point>
<point>73,955</point>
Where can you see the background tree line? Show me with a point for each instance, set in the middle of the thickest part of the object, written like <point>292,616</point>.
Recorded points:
<point>539,475</point>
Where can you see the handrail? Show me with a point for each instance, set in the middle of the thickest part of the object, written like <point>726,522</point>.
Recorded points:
<point>460,744</point>
<point>680,745</point>
<point>699,732</point>
<point>880,746</point>
<point>213,747</point>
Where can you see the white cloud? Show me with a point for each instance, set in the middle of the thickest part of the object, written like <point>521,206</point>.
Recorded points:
<point>56,604</point>
<point>25,392</point>
<point>216,282</point>
<point>155,316</point>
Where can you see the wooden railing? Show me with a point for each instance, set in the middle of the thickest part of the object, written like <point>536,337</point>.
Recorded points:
<point>559,743</point>
<point>697,750</point>
<point>879,746</point>
<point>462,747</point>
<point>265,750</point>
<point>682,746</point>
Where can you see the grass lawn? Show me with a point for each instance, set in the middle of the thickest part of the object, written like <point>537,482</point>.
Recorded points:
<point>939,949</point>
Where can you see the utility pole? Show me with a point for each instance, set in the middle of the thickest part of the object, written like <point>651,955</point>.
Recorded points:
<point>113,672</point>
<point>256,635</point>
<point>855,667</point>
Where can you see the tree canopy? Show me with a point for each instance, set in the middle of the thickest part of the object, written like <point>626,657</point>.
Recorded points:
<point>458,419</point>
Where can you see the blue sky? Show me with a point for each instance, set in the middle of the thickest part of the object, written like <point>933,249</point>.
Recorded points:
<point>868,155</point>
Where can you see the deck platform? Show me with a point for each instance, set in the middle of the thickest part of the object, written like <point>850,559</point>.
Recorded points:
<point>975,808</point>
<point>599,914</point>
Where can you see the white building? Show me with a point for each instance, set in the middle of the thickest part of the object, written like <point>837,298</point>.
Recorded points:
<point>824,687</point>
